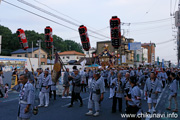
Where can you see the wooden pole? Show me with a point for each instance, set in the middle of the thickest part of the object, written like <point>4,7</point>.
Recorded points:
<point>31,65</point>
<point>90,58</point>
<point>29,59</point>
<point>52,57</point>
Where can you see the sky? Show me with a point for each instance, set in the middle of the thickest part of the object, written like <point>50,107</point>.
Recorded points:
<point>95,14</point>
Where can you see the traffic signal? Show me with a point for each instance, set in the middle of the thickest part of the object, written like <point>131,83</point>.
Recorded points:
<point>115,26</point>
<point>48,37</point>
<point>84,37</point>
<point>22,38</point>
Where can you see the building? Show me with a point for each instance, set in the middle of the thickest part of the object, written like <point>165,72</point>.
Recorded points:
<point>151,51</point>
<point>123,50</point>
<point>31,53</point>
<point>9,62</point>
<point>90,52</point>
<point>141,56</point>
<point>67,56</point>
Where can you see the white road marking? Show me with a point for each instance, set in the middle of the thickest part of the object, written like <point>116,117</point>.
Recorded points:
<point>159,98</point>
<point>70,103</point>
<point>10,100</point>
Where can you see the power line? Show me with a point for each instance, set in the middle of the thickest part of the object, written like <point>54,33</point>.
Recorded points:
<point>46,18</point>
<point>152,28</point>
<point>58,17</point>
<point>72,18</point>
<point>142,33</point>
<point>146,22</point>
<point>165,42</point>
<point>96,30</point>
<point>154,22</point>
<point>151,7</point>
<point>61,13</point>
<point>56,11</point>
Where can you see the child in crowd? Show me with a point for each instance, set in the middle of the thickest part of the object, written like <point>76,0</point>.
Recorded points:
<point>6,88</point>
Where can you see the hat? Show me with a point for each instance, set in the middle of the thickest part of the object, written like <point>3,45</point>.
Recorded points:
<point>47,70</point>
<point>74,67</point>
<point>97,72</point>
<point>133,80</point>
<point>75,70</point>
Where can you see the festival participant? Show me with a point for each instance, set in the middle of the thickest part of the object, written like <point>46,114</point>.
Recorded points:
<point>173,92</point>
<point>45,88</point>
<point>151,91</point>
<point>96,94</point>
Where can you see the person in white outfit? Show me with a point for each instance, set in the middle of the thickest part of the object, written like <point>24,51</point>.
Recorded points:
<point>45,88</point>
<point>111,77</point>
<point>96,94</point>
<point>151,91</point>
<point>173,92</point>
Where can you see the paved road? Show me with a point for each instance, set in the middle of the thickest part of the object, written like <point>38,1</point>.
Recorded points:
<point>58,108</point>
<point>163,104</point>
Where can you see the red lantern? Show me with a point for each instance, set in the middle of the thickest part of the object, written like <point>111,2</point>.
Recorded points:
<point>22,38</point>
<point>84,37</point>
<point>48,37</point>
<point>115,26</point>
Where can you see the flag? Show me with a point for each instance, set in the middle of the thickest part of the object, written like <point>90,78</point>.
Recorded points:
<point>56,69</point>
<point>83,63</point>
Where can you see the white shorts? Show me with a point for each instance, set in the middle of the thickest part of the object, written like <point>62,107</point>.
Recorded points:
<point>150,100</point>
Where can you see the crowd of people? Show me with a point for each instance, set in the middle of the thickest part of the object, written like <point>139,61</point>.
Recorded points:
<point>128,84</point>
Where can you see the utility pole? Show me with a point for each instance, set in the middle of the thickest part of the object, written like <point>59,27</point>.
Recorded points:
<point>32,50</point>
<point>52,54</point>
<point>177,24</point>
<point>150,54</point>
<point>178,37</point>
<point>39,41</point>
<point>142,56</point>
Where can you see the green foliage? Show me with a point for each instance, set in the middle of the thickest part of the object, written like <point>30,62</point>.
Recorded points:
<point>10,42</point>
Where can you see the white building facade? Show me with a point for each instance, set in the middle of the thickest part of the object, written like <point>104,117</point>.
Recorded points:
<point>89,53</point>
<point>8,63</point>
<point>141,56</point>
<point>70,55</point>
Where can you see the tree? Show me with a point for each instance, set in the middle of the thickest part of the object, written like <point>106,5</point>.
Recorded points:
<point>10,41</point>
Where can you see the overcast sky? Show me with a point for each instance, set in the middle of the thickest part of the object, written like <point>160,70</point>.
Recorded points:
<point>95,14</point>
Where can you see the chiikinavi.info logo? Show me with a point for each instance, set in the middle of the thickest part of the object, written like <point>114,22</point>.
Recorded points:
<point>145,115</point>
